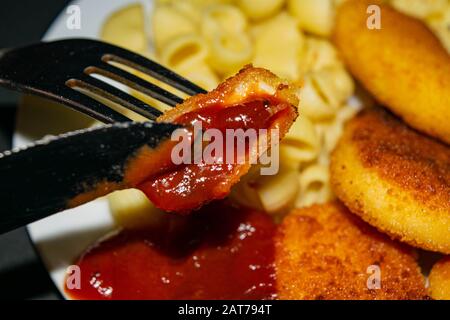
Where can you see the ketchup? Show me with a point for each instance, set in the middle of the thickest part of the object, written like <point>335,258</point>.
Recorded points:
<point>187,187</point>
<point>219,252</point>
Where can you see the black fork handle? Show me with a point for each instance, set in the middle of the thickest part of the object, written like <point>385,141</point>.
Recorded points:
<point>43,179</point>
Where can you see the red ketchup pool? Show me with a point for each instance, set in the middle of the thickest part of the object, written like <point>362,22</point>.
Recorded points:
<point>219,252</point>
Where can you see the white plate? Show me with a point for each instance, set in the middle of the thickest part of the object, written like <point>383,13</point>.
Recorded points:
<point>61,238</point>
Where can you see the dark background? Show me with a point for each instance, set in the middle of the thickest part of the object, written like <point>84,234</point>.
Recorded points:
<point>22,275</point>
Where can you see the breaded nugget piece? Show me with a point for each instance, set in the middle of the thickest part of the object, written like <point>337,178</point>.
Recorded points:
<point>403,65</point>
<point>253,99</point>
<point>325,252</point>
<point>440,279</point>
<point>395,178</point>
<point>250,83</point>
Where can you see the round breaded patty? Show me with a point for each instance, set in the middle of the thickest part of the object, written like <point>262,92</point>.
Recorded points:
<point>402,64</point>
<point>325,252</point>
<point>395,178</point>
<point>440,279</point>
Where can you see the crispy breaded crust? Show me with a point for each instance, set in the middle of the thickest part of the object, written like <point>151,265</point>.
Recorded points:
<point>403,65</point>
<point>324,252</point>
<point>395,178</point>
<point>248,84</point>
<point>440,279</point>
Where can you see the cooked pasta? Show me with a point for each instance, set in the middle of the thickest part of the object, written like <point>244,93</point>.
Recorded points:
<point>201,74</point>
<point>131,209</point>
<point>314,104</point>
<point>272,191</point>
<point>222,18</point>
<point>224,28</point>
<point>260,9</point>
<point>125,28</point>
<point>317,54</point>
<point>229,52</point>
<point>314,16</point>
<point>314,186</point>
<point>347,112</point>
<point>169,23</point>
<point>184,51</point>
<point>420,8</point>
<point>301,144</point>
<point>268,193</point>
<point>278,43</point>
<point>329,132</point>
<point>335,85</point>
<point>440,24</point>
<point>189,9</point>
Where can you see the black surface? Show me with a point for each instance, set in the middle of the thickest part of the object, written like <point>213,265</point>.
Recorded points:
<point>22,275</point>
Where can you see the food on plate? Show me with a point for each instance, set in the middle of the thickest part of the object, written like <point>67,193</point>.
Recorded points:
<point>315,16</point>
<point>132,210</point>
<point>395,178</point>
<point>403,65</point>
<point>260,9</point>
<point>267,193</point>
<point>439,24</point>
<point>324,252</point>
<point>169,24</point>
<point>314,185</point>
<point>218,253</point>
<point>253,99</point>
<point>440,279</point>
<point>420,9</point>
<point>213,39</point>
<point>125,28</point>
<point>277,46</point>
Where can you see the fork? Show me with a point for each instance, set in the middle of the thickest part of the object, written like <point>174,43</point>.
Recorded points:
<point>44,178</point>
<point>54,69</point>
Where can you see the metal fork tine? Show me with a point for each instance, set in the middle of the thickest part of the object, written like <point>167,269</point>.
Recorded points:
<point>134,82</point>
<point>49,69</point>
<point>124,99</point>
<point>89,106</point>
<point>153,69</point>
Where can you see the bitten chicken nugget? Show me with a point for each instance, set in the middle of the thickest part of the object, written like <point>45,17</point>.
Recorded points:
<point>402,64</point>
<point>325,252</point>
<point>395,178</point>
<point>440,280</point>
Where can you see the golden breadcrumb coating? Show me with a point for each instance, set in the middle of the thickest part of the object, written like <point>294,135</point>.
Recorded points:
<point>403,65</point>
<point>248,84</point>
<point>395,178</point>
<point>440,279</point>
<point>324,252</point>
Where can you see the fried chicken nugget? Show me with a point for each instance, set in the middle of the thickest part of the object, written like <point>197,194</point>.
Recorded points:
<point>395,178</point>
<point>440,279</point>
<point>325,252</point>
<point>403,65</point>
